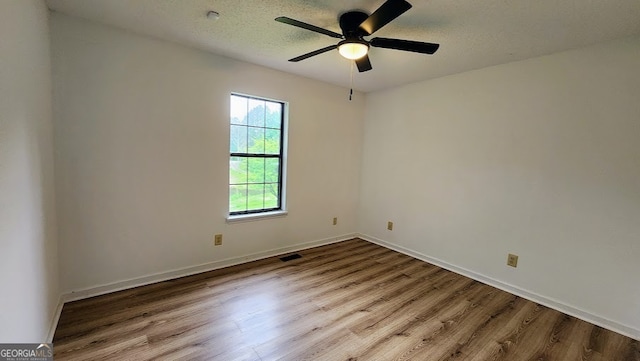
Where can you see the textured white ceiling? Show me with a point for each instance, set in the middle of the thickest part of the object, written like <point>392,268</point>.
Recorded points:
<point>473,34</point>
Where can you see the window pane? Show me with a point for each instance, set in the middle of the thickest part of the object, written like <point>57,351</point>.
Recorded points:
<point>256,140</point>
<point>238,141</point>
<point>256,170</point>
<point>238,110</point>
<point>238,170</point>
<point>237,198</point>
<point>271,170</point>
<point>271,195</point>
<point>256,112</point>
<point>272,141</point>
<point>256,128</point>
<point>274,115</point>
<point>255,196</point>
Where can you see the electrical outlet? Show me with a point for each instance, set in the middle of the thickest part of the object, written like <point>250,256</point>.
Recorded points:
<point>217,240</point>
<point>335,220</point>
<point>390,226</point>
<point>512,260</point>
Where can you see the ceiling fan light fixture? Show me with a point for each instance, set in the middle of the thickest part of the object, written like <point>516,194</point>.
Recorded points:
<point>353,49</point>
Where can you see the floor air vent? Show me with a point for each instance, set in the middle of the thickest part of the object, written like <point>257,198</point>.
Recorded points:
<point>290,257</point>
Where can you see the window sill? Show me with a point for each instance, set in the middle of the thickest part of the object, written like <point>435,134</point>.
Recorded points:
<point>255,217</point>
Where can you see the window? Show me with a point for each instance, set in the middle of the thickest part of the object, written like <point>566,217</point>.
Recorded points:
<point>256,155</point>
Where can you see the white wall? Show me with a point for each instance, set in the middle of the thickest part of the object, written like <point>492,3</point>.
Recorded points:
<point>28,265</point>
<point>141,130</point>
<point>540,158</point>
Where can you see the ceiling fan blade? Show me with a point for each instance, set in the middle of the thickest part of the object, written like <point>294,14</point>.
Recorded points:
<point>364,64</point>
<point>406,45</point>
<point>313,53</point>
<point>384,15</point>
<point>300,24</point>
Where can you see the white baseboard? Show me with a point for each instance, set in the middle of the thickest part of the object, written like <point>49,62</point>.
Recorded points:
<point>55,319</point>
<point>532,296</point>
<point>182,272</point>
<point>188,271</point>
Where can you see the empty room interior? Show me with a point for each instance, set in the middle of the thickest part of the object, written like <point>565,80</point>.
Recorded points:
<point>320,180</point>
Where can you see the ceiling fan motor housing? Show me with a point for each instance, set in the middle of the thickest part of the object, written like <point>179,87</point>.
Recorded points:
<point>350,24</point>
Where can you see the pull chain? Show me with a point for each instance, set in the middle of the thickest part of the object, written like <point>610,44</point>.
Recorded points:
<point>351,83</point>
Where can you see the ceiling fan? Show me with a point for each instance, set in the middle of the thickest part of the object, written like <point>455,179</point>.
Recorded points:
<point>355,26</point>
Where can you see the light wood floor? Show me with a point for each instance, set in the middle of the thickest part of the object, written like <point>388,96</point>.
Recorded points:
<point>348,301</point>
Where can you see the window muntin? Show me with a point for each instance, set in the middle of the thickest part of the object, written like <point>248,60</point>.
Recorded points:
<point>256,155</point>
